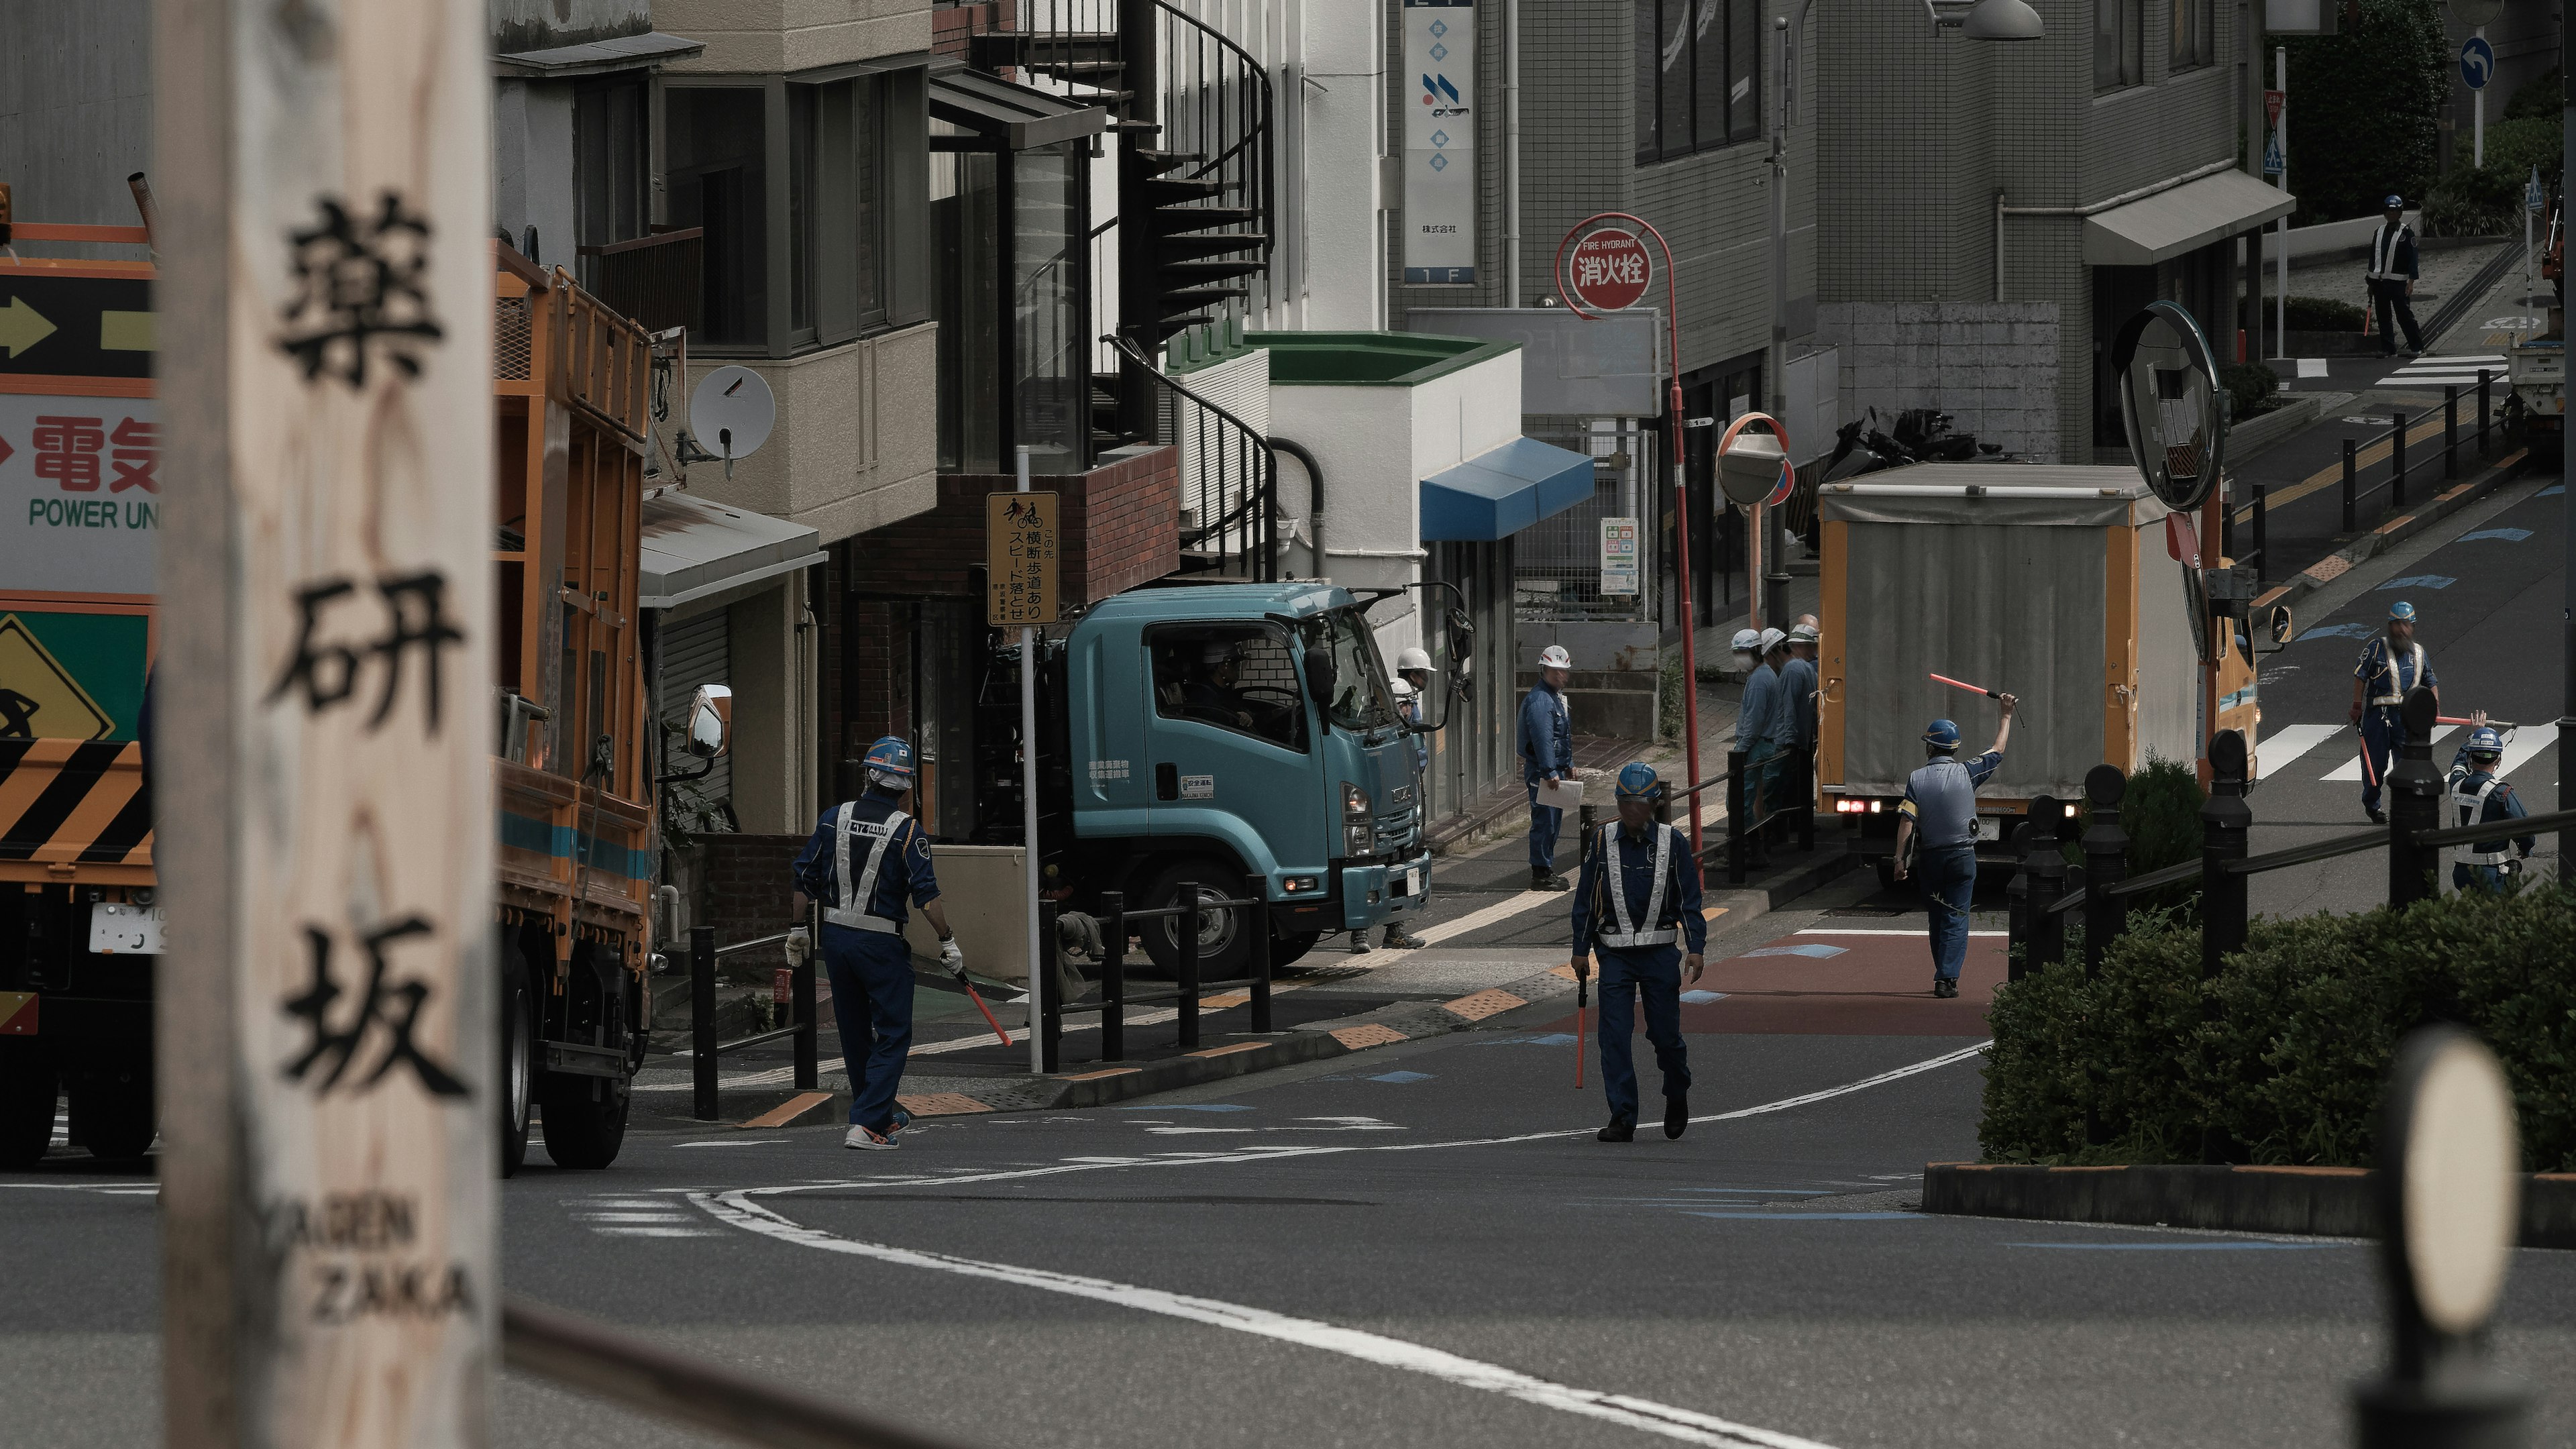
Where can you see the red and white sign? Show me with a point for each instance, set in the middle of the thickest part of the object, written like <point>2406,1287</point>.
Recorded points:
<point>80,493</point>
<point>2272,106</point>
<point>1609,270</point>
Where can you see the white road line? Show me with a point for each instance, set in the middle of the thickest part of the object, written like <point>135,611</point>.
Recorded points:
<point>2289,742</point>
<point>1666,1420</point>
<point>1267,1153</point>
<point>2351,768</point>
<point>688,1232</point>
<point>1917,931</point>
<point>2527,741</point>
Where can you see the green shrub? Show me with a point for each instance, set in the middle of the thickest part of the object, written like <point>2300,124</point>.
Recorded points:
<point>2487,200</point>
<point>1668,697</point>
<point>2323,314</point>
<point>2543,97</point>
<point>2287,1048</point>
<point>2252,389</point>
<point>2365,109</point>
<point>2160,813</point>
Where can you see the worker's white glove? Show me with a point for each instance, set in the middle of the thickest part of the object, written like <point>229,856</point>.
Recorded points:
<point>952,956</point>
<point>799,946</point>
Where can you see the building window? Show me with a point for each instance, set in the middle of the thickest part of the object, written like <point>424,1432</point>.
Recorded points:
<point>717,152</point>
<point>2118,44</point>
<point>609,167</point>
<point>835,143</point>
<point>1699,75</point>
<point>2194,34</point>
<point>1234,678</point>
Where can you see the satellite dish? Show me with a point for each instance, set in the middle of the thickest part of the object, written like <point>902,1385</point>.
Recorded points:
<point>731,413</point>
<point>2170,401</point>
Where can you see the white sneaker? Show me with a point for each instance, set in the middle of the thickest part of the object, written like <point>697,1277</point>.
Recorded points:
<point>868,1141</point>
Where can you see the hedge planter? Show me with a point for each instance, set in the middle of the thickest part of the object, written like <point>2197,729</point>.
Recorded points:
<point>2335,1202</point>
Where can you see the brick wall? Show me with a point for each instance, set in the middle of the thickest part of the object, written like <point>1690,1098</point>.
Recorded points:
<point>953,26</point>
<point>744,893</point>
<point>1120,525</point>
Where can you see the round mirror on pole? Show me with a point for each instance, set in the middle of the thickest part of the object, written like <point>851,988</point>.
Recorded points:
<point>1753,467</point>
<point>2171,405</point>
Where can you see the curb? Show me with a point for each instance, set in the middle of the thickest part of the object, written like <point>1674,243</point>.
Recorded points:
<point>2335,1202</point>
<point>2394,532</point>
<point>2258,436</point>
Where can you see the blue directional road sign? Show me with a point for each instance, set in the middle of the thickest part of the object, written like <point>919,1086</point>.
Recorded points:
<point>2532,198</point>
<point>2477,63</point>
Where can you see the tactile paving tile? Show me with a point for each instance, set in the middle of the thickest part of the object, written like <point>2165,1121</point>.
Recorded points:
<point>943,1104</point>
<point>2326,570</point>
<point>1357,1037</point>
<point>1484,1004</point>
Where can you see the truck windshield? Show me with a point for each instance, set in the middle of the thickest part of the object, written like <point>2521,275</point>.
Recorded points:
<point>1361,700</point>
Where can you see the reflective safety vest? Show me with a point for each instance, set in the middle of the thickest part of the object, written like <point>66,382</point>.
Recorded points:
<point>1660,931</point>
<point>2388,667</point>
<point>2383,251</point>
<point>852,909</point>
<point>2472,806</point>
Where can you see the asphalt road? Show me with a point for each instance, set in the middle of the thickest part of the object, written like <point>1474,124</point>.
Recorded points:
<point>1419,1245</point>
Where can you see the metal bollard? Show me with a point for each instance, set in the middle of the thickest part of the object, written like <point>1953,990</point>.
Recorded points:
<point>702,1020</point>
<point>2017,921</point>
<point>1188,924</point>
<point>2351,489</point>
<point>808,1029</point>
<point>1738,849</point>
<point>2414,790</point>
<point>1113,975</point>
<point>1050,1018</point>
<point>1256,918</point>
<point>2486,411</point>
<point>2106,863</point>
<point>2397,463</point>
<point>2225,822</point>
<point>2451,431</point>
<point>2262,540</point>
<point>2047,866</point>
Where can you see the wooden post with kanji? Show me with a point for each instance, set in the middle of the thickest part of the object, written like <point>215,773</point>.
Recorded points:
<point>323,725</point>
<point>1020,568</point>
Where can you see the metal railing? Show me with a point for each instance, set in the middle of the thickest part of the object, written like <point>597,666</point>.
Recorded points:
<point>1753,803</point>
<point>1215,104</point>
<point>1114,921</point>
<point>2399,471</point>
<point>1231,504</point>
<point>658,280</point>
<point>705,1051</point>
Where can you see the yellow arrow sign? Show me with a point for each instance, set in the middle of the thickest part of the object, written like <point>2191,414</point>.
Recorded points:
<point>22,326</point>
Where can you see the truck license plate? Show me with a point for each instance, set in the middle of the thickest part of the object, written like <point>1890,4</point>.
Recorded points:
<point>119,930</point>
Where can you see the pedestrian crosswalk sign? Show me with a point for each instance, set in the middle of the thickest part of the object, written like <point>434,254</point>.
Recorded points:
<point>2273,162</point>
<point>2533,199</point>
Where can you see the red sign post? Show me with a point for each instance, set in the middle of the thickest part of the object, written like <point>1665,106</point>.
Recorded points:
<point>1609,270</point>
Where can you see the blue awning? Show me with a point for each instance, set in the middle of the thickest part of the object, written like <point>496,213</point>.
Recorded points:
<point>1497,494</point>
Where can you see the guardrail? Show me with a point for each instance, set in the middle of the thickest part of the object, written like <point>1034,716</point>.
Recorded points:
<point>705,1051</point>
<point>1751,807</point>
<point>2394,485</point>
<point>1114,922</point>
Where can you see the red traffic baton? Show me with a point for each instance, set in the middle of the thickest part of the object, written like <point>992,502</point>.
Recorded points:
<point>2493,724</point>
<point>971,995</point>
<point>1963,684</point>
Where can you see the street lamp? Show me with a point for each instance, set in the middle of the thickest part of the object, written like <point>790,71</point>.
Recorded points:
<point>2004,20</point>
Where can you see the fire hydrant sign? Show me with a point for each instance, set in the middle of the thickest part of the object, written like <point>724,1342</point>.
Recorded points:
<point>1020,573</point>
<point>1609,270</point>
<point>80,494</point>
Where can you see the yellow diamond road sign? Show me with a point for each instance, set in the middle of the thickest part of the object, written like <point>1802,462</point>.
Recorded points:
<point>38,698</point>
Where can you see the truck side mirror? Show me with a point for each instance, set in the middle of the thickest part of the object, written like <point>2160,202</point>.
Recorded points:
<point>710,721</point>
<point>1320,675</point>
<point>2281,626</point>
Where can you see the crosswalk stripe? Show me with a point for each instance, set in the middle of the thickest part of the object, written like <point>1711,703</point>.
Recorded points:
<point>2351,768</point>
<point>2527,741</point>
<point>2289,742</point>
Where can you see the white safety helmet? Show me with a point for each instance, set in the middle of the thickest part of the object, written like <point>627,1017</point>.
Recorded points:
<point>1403,690</point>
<point>1411,659</point>
<point>1555,657</point>
<point>1772,639</point>
<point>1747,641</point>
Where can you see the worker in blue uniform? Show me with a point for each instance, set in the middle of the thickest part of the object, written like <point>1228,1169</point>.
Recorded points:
<point>2477,796</point>
<point>1638,911</point>
<point>1761,731</point>
<point>1940,815</point>
<point>2390,668</point>
<point>866,858</point>
<point>1547,753</point>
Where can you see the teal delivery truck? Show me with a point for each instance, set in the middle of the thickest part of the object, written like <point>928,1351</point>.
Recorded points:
<point>1233,737</point>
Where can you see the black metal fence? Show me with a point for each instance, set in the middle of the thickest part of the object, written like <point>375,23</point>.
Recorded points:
<point>705,1051</point>
<point>1114,922</point>
<point>2397,471</point>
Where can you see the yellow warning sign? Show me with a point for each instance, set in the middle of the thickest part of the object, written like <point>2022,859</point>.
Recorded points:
<point>39,699</point>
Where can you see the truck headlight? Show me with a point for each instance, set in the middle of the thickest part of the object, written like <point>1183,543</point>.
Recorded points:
<point>1358,840</point>
<point>1355,802</point>
<point>1297,885</point>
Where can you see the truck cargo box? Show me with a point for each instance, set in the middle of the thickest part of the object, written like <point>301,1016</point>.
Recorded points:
<point>2050,582</point>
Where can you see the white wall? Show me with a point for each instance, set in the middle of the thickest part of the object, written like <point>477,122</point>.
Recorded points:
<point>1342,130</point>
<point>532,165</point>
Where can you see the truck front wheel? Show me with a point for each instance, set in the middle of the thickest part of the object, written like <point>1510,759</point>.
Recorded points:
<point>28,1090</point>
<point>585,1119</point>
<point>114,1114</point>
<point>1225,947</point>
<point>518,1055</point>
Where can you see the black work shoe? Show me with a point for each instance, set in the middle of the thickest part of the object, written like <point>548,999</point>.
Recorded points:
<point>1542,881</point>
<point>1619,1130</point>
<point>1676,1115</point>
<point>1944,988</point>
<point>1359,942</point>
<point>2377,815</point>
<point>1400,939</point>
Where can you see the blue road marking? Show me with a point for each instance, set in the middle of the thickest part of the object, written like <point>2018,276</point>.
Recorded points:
<point>2339,631</point>
<point>2420,581</point>
<point>1794,1217</point>
<point>2184,1247</point>
<point>1816,949</point>
<point>1702,998</point>
<point>2500,535</point>
<point>2553,488</point>
<point>1400,1078</point>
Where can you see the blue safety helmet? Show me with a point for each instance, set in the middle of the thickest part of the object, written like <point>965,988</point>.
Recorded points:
<point>1637,782</point>
<point>890,756</point>
<point>2485,741</point>
<point>2401,612</point>
<point>2394,203</point>
<point>1941,734</point>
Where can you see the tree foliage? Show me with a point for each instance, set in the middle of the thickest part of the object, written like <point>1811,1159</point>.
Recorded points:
<point>2365,109</point>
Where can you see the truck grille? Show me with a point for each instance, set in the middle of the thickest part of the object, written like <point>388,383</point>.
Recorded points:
<point>1398,829</point>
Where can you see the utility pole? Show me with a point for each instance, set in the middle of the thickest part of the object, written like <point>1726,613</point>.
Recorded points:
<point>1771,584</point>
<point>2567,522</point>
<point>322,747</point>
